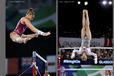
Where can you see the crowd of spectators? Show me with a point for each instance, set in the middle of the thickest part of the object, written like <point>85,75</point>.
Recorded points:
<point>101,53</point>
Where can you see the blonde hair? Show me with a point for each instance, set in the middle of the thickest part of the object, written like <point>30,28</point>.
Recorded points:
<point>30,11</point>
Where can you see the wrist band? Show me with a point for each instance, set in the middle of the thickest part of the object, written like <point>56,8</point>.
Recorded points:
<point>40,32</point>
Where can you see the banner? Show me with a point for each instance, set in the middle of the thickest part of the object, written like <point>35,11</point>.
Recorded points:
<point>85,72</point>
<point>76,42</point>
<point>108,42</point>
<point>25,63</point>
<point>88,62</point>
<point>12,66</point>
<point>51,63</point>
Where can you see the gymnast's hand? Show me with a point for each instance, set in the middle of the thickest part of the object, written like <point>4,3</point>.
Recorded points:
<point>95,59</point>
<point>36,35</point>
<point>46,33</point>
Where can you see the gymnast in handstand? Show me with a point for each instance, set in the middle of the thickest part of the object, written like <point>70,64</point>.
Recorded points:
<point>85,50</point>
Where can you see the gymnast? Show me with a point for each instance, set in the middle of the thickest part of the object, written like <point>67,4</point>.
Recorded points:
<point>85,50</point>
<point>25,22</point>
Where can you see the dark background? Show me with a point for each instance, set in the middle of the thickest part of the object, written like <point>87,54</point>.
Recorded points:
<point>42,45</point>
<point>70,18</point>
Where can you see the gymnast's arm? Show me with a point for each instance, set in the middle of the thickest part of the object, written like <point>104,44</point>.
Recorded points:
<point>35,30</point>
<point>92,54</point>
<point>95,56</point>
<point>73,53</point>
<point>77,51</point>
<point>30,26</point>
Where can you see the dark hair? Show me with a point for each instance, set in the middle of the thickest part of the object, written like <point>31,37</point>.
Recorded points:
<point>30,11</point>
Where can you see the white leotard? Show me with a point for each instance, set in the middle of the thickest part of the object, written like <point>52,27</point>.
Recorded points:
<point>87,50</point>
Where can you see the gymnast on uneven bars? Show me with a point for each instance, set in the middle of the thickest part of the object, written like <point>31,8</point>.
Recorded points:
<point>85,50</point>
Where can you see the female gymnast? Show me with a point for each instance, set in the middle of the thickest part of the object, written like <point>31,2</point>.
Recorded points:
<point>85,50</point>
<point>25,22</point>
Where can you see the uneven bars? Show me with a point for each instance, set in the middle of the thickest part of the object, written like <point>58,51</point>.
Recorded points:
<point>90,47</point>
<point>86,69</point>
<point>41,58</point>
<point>34,59</point>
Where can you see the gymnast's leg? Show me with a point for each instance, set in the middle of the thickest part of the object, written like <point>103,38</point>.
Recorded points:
<point>88,32</point>
<point>29,36</point>
<point>83,31</point>
<point>23,39</point>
